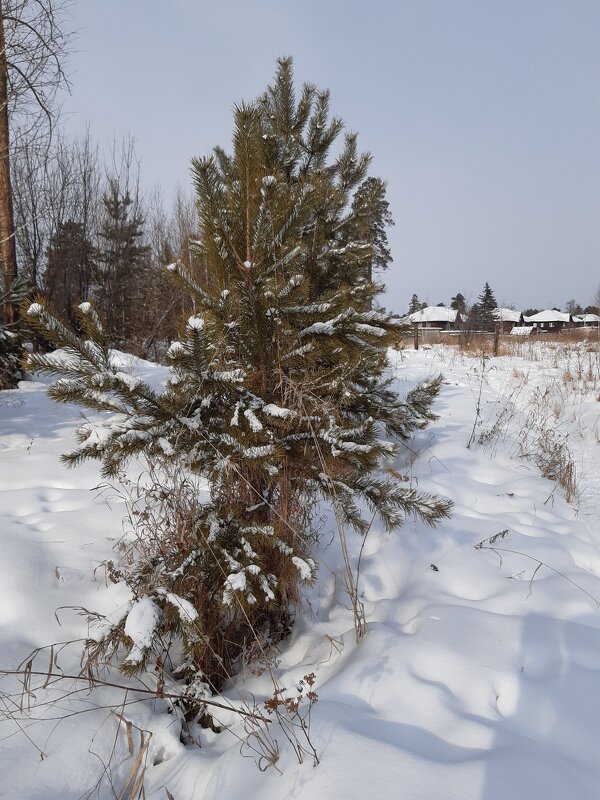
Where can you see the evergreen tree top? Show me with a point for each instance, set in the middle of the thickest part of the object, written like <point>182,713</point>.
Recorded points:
<point>458,303</point>
<point>487,301</point>
<point>414,305</point>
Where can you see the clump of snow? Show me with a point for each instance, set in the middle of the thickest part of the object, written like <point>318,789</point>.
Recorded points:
<point>129,380</point>
<point>235,582</point>
<point>230,376</point>
<point>305,570</point>
<point>292,284</point>
<point>140,625</point>
<point>300,351</point>
<point>273,410</point>
<point>259,452</point>
<point>100,627</point>
<point>195,323</point>
<point>175,349</point>
<point>165,446</point>
<point>186,610</point>
<point>312,308</point>
<point>370,330</point>
<point>321,328</point>
<point>253,420</point>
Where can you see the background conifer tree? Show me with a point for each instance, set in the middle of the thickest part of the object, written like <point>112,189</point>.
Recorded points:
<point>122,261</point>
<point>414,305</point>
<point>69,270</point>
<point>481,312</point>
<point>372,216</point>
<point>459,303</point>
<point>487,301</point>
<point>280,393</point>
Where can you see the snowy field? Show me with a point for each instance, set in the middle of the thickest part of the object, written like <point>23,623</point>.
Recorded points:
<point>479,678</point>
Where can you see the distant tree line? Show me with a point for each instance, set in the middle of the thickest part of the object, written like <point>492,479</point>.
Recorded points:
<point>86,232</point>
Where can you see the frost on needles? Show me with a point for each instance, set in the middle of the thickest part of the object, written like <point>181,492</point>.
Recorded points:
<point>279,392</point>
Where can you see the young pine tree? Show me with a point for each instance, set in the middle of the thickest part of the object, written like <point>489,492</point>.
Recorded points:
<point>279,392</point>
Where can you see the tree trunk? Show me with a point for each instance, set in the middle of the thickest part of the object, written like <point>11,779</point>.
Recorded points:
<point>8,252</point>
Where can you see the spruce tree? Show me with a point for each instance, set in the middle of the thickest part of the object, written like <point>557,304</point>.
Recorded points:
<point>487,301</point>
<point>279,394</point>
<point>484,308</point>
<point>121,276</point>
<point>414,305</point>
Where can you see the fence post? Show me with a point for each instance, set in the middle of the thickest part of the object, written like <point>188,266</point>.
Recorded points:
<point>416,335</point>
<point>496,338</point>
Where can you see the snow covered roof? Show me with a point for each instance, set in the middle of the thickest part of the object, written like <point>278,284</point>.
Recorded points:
<point>587,319</point>
<point>548,316</point>
<point>434,314</point>
<point>506,315</point>
<point>521,331</point>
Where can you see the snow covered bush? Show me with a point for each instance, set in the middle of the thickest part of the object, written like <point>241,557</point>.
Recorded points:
<point>279,392</point>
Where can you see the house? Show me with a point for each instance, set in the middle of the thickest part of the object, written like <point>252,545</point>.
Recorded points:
<point>549,320</point>
<point>586,320</point>
<point>508,318</point>
<point>438,318</point>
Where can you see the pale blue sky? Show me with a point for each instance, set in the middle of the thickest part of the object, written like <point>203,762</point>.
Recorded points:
<point>482,115</point>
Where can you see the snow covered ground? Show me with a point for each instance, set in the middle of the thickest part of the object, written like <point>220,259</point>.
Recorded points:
<point>479,678</point>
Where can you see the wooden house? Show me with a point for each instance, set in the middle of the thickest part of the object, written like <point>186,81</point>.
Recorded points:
<point>586,320</point>
<point>438,318</point>
<point>508,318</point>
<point>549,320</point>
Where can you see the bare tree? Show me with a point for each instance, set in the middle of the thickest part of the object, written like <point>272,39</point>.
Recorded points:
<point>573,307</point>
<point>33,47</point>
<point>170,235</point>
<point>52,188</point>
